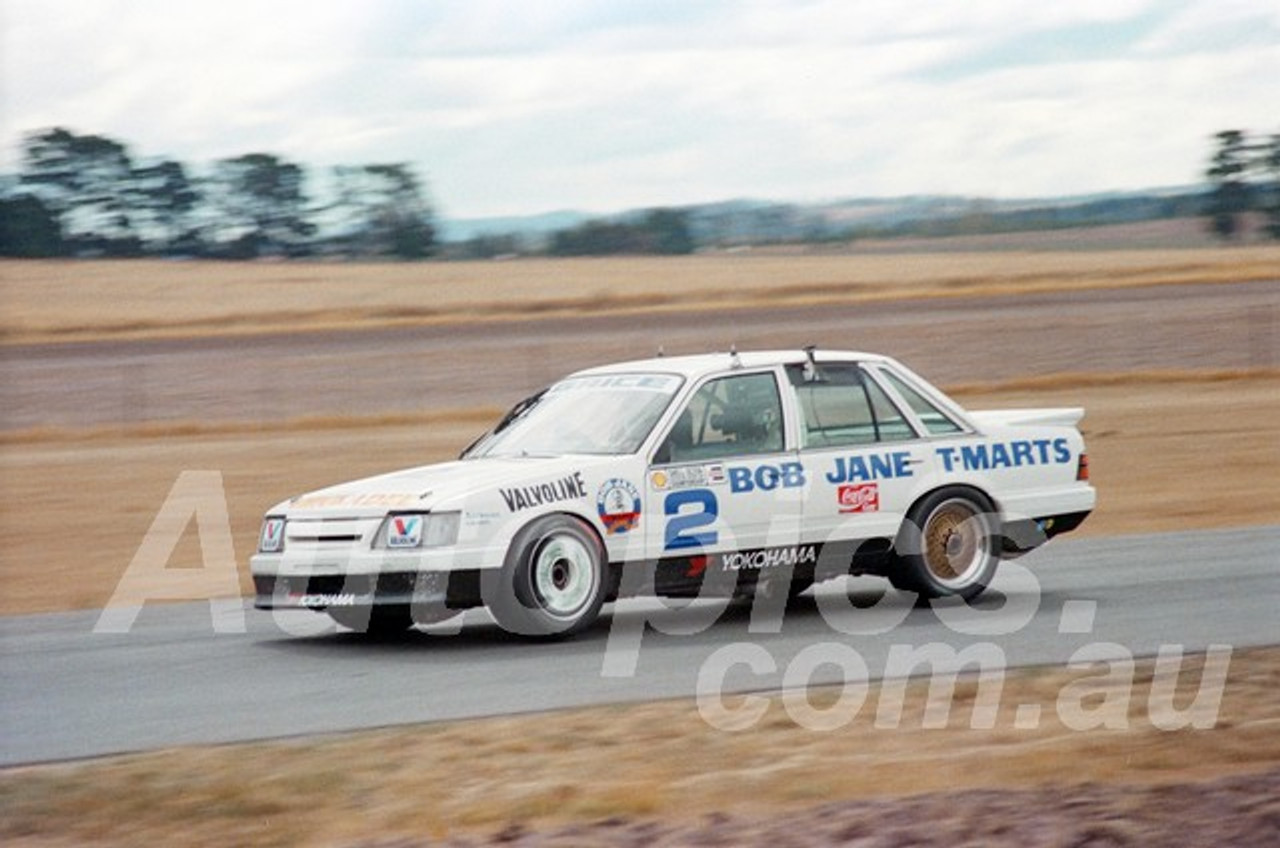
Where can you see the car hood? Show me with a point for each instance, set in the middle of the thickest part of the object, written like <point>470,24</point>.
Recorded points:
<point>429,486</point>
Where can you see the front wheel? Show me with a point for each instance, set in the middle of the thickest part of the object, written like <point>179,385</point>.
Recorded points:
<point>947,546</point>
<point>553,580</point>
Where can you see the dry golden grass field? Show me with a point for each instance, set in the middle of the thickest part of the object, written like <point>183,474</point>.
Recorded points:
<point>52,301</point>
<point>1147,436</point>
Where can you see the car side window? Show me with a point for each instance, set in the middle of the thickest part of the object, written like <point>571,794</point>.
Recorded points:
<point>728,416</point>
<point>937,422</point>
<point>840,406</point>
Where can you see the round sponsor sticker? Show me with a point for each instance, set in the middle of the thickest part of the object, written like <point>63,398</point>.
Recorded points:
<point>618,502</point>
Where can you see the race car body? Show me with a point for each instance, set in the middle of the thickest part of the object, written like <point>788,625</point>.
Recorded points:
<point>719,474</point>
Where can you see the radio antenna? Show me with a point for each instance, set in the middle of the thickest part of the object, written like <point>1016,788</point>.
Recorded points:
<point>811,365</point>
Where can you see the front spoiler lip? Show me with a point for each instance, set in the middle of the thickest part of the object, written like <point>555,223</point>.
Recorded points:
<point>315,592</point>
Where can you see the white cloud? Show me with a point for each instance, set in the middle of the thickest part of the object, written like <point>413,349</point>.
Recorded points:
<point>512,106</point>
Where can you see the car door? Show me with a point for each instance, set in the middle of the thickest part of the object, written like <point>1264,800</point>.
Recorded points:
<point>725,483</point>
<point>864,456</point>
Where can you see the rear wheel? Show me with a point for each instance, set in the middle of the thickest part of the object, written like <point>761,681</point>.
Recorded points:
<point>553,582</point>
<point>947,546</point>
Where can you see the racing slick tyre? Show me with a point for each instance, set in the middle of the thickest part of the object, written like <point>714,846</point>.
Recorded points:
<point>947,546</point>
<point>378,621</point>
<point>553,582</point>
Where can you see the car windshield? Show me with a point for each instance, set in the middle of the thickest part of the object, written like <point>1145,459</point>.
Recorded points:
<point>607,414</point>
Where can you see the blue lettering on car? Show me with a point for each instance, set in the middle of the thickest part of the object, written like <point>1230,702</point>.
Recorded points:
<point>877,466</point>
<point>995,455</point>
<point>766,478</point>
<point>680,524</point>
<point>1061,451</point>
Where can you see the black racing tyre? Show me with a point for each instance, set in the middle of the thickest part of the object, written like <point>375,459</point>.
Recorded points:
<point>947,546</point>
<point>377,620</point>
<point>554,580</point>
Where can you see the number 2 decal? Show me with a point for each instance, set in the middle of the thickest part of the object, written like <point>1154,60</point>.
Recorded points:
<point>680,524</point>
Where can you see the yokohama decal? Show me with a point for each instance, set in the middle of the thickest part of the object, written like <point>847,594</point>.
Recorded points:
<point>763,558</point>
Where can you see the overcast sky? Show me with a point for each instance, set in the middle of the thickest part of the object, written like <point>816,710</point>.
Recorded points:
<point>522,106</point>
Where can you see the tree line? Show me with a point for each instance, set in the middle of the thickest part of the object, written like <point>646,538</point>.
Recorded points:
<point>1244,177</point>
<point>88,195</point>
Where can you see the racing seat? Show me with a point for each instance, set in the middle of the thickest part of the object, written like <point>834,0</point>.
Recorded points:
<point>752,417</point>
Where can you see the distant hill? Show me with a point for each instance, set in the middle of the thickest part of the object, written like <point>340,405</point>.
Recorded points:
<point>545,223</point>
<point>749,221</point>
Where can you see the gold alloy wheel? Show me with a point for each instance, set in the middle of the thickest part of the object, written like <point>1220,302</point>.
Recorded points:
<point>955,542</point>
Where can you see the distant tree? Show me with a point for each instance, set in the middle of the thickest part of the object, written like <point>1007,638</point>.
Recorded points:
<point>658,231</point>
<point>492,246</point>
<point>165,199</point>
<point>259,207</point>
<point>668,232</point>
<point>1235,162</point>
<point>383,211</point>
<point>83,194</point>
<point>84,181</point>
<point>1227,173</point>
<point>593,238</point>
<point>1270,165</point>
<point>28,229</point>
<point>1245,176</point>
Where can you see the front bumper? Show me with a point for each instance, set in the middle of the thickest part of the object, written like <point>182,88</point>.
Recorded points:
<point>322,591</point>
<point>320,579</point>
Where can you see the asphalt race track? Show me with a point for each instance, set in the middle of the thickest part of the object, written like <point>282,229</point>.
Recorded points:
<point>171,679</point>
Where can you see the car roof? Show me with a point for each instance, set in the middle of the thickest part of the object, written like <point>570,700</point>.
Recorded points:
<point>706,363</point>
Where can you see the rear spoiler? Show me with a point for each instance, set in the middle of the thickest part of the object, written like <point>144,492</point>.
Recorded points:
<point>1059,417</point>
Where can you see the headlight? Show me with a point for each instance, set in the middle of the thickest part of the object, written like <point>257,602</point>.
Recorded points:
<point>271,539</point>
<point>405,531</point>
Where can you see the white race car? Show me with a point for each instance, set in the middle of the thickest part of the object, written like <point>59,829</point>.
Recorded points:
<point>698,476</point>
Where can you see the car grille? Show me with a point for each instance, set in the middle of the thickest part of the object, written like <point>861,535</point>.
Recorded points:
<point>311,534</point>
